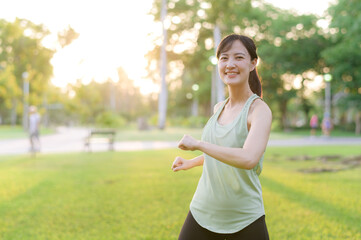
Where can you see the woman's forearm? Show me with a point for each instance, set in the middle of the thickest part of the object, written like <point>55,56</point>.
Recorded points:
<point>197,161</point>
<point>237,157</point>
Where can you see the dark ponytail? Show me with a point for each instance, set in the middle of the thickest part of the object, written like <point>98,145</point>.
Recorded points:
<point>226,43</point>
<point>255,83</point>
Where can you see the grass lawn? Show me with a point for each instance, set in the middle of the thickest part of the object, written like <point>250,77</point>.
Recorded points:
<point>169,134</point>
<point>13,132</point>
<point>297,133</point>
<point>175,134</point>
<point>135,195</point>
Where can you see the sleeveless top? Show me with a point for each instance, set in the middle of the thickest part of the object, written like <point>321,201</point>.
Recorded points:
<point>227,198</point>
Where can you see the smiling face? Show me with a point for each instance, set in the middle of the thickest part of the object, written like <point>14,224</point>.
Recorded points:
<point>235,64</point>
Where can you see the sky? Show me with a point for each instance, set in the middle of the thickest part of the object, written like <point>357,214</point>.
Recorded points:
<point>113,33</point>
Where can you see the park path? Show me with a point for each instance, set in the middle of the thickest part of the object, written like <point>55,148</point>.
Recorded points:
<point>72,140</point>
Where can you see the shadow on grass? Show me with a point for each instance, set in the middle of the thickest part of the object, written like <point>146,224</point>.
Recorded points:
<point>333,212</point>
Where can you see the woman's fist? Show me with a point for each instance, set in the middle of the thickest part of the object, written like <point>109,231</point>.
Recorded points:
<point>188,143</point>
<point>180,164</point>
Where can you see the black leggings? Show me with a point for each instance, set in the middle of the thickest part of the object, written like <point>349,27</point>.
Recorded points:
<point>191,230</point>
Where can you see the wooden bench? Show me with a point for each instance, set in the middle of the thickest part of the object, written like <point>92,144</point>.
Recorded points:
<point>108,134</point>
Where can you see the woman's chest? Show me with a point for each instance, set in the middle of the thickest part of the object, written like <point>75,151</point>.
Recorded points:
<point>228,117</point>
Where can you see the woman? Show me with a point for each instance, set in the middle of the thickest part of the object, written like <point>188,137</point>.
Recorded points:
<point>228,201</point>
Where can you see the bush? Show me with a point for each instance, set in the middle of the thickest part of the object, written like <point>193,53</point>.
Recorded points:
<point>197,121</point>
<point>153,121</point>
<point>110,119</point>
<point>189,122</point>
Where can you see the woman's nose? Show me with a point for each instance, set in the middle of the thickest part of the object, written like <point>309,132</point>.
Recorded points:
<point>230,64</point>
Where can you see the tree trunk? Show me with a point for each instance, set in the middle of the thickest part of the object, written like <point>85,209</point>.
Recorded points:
<point>306,107</point>
<point>13,117</point>
<point>163,95</point>
<point>213,90</point>
<point>112,97</point>
<point>283,110</point>
<point>195,107</point>
<point>219,84</point>
<point>358,123</point>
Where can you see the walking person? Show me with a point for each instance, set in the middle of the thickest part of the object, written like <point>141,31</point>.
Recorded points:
<point>313,124</point>
<point>34,127</point>
<point>326,125</point>
<point>228,201</point>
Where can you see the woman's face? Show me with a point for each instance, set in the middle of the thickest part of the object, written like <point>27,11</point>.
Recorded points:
<point>235,64</point>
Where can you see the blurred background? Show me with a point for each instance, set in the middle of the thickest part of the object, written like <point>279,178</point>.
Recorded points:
<point>144,73</point>
<point>151,64</point>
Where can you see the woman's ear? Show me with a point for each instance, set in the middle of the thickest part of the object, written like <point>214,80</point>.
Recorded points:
<point>253,64</point>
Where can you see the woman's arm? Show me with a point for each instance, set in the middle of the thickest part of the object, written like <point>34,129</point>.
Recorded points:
<point>253,148</point>
<point>183,164</point>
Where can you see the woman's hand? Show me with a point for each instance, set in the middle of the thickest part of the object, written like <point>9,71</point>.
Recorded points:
<point>181,164</point>
<point>188,143</point>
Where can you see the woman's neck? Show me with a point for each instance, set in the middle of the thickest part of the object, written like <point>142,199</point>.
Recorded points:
<point>238,95</point>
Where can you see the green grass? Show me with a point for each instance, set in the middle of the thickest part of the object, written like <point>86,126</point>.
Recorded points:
<point>169,134</point>
<point>297,133</point>
<point>135,195</point>
<point>13,132</point>
<point>176,133</point>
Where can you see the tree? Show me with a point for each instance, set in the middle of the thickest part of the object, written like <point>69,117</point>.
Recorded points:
<point>344,56</point>
<point>21,52</point>
<point>9,90</point>
<point>291,47</point>
<point>279,34</point>
<point>88,101</point>
<point>67,36</point>
<point>191,44</point>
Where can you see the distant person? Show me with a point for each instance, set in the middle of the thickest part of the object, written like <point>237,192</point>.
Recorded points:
<point>313,124</point>
<point>228,201</point>
<point>326,126</point>
<point>34,127</point>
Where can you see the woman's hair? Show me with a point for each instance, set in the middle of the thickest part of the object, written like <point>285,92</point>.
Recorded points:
<point>226,44</point>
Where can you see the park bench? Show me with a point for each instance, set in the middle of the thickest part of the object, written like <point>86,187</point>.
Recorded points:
<point>108,134</point>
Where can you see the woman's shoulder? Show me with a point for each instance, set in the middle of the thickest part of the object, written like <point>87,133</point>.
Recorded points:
<point>259,105</point>
<point>217,106</point>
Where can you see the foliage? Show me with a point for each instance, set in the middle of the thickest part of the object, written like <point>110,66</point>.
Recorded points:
<point>344,56</point>
<point>94,99</point>
<point>22,58</point>
<point>67,36</point>
<point>135,195</point>
<point>109,119</point>
<point>153,120</point>
<point>189,122</point>
<point>8,87</point>
<point>279,34</point>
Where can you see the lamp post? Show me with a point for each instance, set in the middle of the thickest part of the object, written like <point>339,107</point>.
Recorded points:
<point>213,60</point>
<point>326,123</point>
<point>195,88</point>
<point>328,78</point>
<point>25,99</point>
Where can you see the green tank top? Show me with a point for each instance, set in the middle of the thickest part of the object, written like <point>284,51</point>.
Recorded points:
<point>227,198</point>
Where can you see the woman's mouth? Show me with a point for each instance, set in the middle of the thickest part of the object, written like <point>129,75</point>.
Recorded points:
<point>231,74</point>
